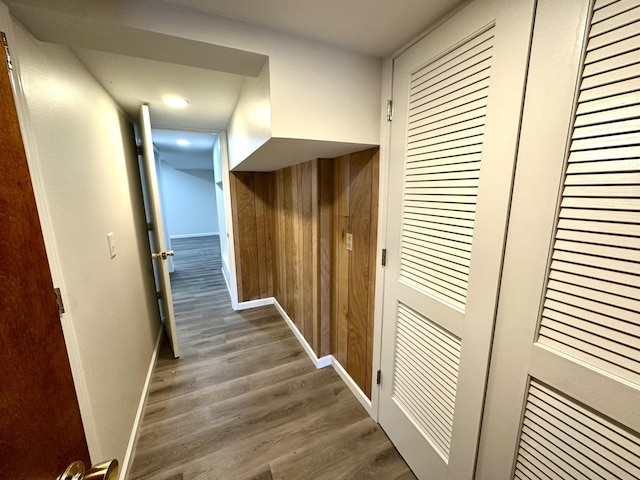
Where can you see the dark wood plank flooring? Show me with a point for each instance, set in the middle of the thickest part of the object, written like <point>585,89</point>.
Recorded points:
<point>244,401</point>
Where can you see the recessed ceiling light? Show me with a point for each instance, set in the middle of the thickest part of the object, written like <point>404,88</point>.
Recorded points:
<point>183,142</point>
<point>175,102</point>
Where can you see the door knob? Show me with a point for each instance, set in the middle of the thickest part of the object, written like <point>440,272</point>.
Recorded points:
<point>101,471</point>
<point>163,255</point>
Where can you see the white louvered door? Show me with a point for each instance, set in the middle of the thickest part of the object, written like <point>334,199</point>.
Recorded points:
<point>457,100</point>
<point>563,399</point>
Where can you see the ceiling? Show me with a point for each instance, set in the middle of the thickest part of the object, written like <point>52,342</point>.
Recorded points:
<point>212,95</point>
<point>372,27</point>
<point>197,155</point>
<point>138,70</point>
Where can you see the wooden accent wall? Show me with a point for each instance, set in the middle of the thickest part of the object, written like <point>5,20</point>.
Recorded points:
<point>301,254</point>
<point>250,209</point>
<point>289,233</point>
<point>355,211</point>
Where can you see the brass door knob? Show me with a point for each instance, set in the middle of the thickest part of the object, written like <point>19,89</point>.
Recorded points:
<point>101,471</point>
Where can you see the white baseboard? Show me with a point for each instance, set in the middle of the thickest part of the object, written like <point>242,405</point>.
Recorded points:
<point>126,462</point>
<point>194,235</point>
<point>261,302</point>
<point>353,386</point>
<point>226,280</point>
<point>318,362</point>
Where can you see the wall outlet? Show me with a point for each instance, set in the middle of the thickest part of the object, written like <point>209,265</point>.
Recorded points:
<point>112,245</point>
<point>349,241</point>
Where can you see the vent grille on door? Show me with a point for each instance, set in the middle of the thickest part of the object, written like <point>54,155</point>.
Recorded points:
<point>425,376</point>
<point>562,439</point>
<point>447,106</point>
<point>592,304</point>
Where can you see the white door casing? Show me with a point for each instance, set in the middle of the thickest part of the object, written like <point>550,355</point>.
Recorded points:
<point>564,389</point>
<point>457,100</point>
<point>158,230</point>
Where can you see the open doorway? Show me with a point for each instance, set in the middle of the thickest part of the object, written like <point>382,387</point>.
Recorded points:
<point>192,201</point>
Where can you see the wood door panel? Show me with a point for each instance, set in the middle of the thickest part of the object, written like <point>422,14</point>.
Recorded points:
<point>40,424</point>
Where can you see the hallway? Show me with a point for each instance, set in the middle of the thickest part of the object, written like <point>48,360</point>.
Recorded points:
<point>244,401</point>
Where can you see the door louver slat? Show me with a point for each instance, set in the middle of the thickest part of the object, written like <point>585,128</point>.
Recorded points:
<point>447,106</point>
<point>425,376</point>
<point>562,439</point>
<point>592,307</point>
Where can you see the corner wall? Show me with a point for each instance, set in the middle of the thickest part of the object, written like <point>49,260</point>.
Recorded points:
<point>289,231</point>
<point>189,199</point>
<point>85,156</point>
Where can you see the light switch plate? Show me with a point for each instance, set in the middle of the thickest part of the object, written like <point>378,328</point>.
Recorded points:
<point>349,241</point>
<point>112,245</point>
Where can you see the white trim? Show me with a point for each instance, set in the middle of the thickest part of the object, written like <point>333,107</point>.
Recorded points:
<point>318,362</point>
<point>126,462</point>
<point>322,362</point>
<point>226,280</point>
<point>353,386</point>
<point>325,361</point>
<point>228,218</point>
<point>383,193</point>
<point>194,235</point>
<point>261,302</point>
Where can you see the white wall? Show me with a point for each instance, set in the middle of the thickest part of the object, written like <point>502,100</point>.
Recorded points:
<point>83,153</point>
<point>250,126</point>
<point>189,201</point>
<point>318,92</point>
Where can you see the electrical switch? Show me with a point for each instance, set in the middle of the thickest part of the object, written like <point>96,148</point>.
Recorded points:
<point>112,245</point>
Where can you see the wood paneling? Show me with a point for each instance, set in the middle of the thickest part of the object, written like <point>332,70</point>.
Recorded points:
<point>297,251</point>
<point>250,207</point>
<point>341,257</point>
<point>290,227</point>
<point>355,211</point>
<point>360,215</point>
<point>325,261</point>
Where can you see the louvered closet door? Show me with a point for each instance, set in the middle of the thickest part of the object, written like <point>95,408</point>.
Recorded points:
<point>564,392</point>
<point>457,98</point>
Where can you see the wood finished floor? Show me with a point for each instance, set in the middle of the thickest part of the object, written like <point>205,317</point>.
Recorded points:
<point>245,401</point>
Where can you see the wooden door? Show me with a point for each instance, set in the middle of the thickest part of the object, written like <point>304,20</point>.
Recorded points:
<point>457,98</point>
<point>157,237</point>
<point>41,430</point>
<point>563,400</point>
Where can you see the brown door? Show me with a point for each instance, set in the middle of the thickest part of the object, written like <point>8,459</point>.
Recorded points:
<point>40,427</point>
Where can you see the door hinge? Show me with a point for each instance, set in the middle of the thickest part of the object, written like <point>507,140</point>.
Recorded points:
<point>389,110</point>
<point>159,295</point>
<point>5,43</point>
<point>384,257</point>
<point>378,376</point>
<point>140,149</point>
<point>149,226</point>
<point>59,301</point>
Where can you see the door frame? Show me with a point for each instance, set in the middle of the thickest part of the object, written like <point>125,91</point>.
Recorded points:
<point>232,285</point>
<point>34,162</point>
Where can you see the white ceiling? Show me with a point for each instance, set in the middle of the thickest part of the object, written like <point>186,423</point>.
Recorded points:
<point>198,155</point>
<point>136,69</point>
<point>212,95</point>
<point>372,27</point>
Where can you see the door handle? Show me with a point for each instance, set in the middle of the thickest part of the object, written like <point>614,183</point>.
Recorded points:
<point>101,471</point>
<point>162,255</point>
